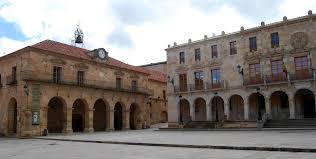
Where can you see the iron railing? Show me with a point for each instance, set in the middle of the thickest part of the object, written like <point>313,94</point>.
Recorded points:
<point>11,80</point>
<point>72,81</point>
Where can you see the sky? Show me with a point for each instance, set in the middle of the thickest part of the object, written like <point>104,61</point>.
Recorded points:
<point>136,32</point>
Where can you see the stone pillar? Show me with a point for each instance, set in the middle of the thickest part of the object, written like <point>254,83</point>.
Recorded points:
<point>89,121</point>
<point>68,121</point>
<point>126,120</point>
<point>26,123</point>
<point>192,112</point>
<point>226,109</point>
<point>43,118</point>
<point>209,113</point>
<point>292,108</point>
<point>246,109</point>
<point>268,106</point>
<point>110,125</point>
<point>173,111</point>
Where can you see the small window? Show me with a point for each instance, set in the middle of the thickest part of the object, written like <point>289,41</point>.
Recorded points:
<point>164,94</point>
<point>197,54</point>
<point>182,60</point>
<point>233,48</point>
<point>253,44</point>
<point>80,78</point>
<point>199,80</point>
<point>216,76</point>
<point>118,83</point>
<point>275,40</point>
<point>214,51</point>
<point>57,74</point>
<point>134,86</point>
<point>14,74</point>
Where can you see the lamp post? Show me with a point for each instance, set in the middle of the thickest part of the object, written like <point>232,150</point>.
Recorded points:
<point>180,97</point>
<point>216,109</point>
<point>258,103</point>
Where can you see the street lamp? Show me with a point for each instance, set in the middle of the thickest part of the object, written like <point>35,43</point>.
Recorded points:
<point>216,109</point>
<point>180,97</point>
<point>258,103</point>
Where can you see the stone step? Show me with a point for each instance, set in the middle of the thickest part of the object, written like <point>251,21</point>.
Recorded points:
<point>200,124</point>
<point>291,123</point>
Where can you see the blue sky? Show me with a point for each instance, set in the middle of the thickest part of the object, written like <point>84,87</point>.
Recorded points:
<point>128,29</point>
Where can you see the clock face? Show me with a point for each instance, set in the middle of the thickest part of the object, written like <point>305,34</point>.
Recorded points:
<point>101,54</point>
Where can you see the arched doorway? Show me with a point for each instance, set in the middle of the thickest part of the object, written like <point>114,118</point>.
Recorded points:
<point>100,115</point>
<point>135,117</point>
<point>78,115</point>
<point>118,116</point>
<point>236,107</point>
<point>305,104</point>
<point>55,115</point>
<point>279,105</point>
<point>164,117</point>
<point>217,109</point>
<point>184,110</point>
<point>12,116</point>
<point>256,106</point>
<point>200,109</point>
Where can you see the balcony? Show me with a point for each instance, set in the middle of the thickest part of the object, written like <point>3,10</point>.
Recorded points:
<point>87,83</point>
<point>195,87</point>
<point>215,86</point>
<point>302,75</point>
<point>276,78</point>
<point>183,88</point>
<point>256,80</point>
<point>204,87</point>
<point>11,80</point>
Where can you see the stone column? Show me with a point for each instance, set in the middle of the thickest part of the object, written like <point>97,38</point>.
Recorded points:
<point>192,112</point>
<point>246,109</point>
<point>26,123</point>
<point>68,121</point>
<point>89,121</point>
<point>292,108</point>
<point>43,118</point>
<point>268,106</point>
<point>209,113</point>
<point>126,120</point>
<point>226,109</point>
<point>110,123</point>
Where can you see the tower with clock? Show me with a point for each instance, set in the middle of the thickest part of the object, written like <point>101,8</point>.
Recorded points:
<point>99,54</point>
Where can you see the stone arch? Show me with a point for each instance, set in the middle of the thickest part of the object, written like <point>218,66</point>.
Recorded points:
<point>135,120</point>
<point>200,109</point>
<point>80,117</point>
<point>101,115</point>
<point>184,110</point>
<point>304,103</point>
<point>163,117</point>
<point>56,115</point>
<point>256,106</point>
<point>12,116</point>
<point>236,107</point>
<point>217,105</point>
<point>119,110</point>
<point>279,105</point>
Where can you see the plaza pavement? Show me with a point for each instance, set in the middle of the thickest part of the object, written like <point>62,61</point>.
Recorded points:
<point>46,149</point>
<point>286,140</point>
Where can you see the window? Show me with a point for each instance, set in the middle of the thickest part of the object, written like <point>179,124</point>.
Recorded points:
<point>57,74</point>
<point>14,74</point>
<point>183,82</point>
<point>199,80</point>
<point>80,78</point>
<point>134,86</point>
<point>233,48</point>
<point>197,54</point>
<point>118,83</point>
<point>275,40</point>
<point>216,78</point>
<point>214,51</point>
<point>255,73</point>
<point>253,44</point>
<point>301,67</point>
<point>182,60</point>
<point>278,72</point>
<point>164,94</point>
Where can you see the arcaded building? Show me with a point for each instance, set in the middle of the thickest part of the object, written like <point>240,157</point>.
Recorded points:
<point>63,89</point>
<point>241,77</point>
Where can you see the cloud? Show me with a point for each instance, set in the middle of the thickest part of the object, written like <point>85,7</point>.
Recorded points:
<point>120,38</point>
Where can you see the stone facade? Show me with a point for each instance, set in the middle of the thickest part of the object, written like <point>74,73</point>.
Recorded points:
<point>32,99</point>
<point>268,69</point>
<point>159,66</point>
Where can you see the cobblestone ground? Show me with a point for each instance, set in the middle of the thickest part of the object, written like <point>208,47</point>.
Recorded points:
<point>291,138</point>
<point>45,149</point>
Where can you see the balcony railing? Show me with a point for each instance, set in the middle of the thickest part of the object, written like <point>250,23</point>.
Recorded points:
<point>257,80</point>
<point>205,86</point>
<point>48,78</point>
<point>11,80</point>
<point>216,85</point>
<point>302,75</point>
<point>281,77</point>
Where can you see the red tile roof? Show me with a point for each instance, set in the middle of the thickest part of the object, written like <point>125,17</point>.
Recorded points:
<point>68,50</point>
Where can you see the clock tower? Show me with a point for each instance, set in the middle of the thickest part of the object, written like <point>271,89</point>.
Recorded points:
<point>99,54</point>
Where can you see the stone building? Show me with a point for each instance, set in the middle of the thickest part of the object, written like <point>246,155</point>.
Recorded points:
<point>262,72</point>
<point>159,66</point>
<point>65,89</point>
